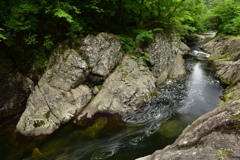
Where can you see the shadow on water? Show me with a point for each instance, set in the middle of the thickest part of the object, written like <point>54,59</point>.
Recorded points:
<point>147,129</point>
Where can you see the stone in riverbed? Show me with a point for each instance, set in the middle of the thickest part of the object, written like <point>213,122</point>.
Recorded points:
<point>170,129</point>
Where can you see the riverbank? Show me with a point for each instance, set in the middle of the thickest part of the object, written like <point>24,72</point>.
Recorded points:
<point>214,135</point>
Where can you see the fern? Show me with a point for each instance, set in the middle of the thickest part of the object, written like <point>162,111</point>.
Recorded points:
<point>144,35</point>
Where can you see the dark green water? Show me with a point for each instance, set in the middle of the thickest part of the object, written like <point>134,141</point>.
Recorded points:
<point>112,137</point>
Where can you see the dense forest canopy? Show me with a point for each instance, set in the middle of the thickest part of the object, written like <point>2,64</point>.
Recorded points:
<point>31,28</point>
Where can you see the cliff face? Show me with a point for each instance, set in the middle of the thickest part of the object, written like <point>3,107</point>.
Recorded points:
<point>70,85</point>
<point>214,135</point>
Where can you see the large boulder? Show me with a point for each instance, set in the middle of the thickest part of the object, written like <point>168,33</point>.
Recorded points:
<point>102,52</point>
<point>130,86</point>
<point>165,57</point>
<point>57,97</point>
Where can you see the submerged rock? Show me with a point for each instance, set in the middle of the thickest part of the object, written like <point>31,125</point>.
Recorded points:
<point>170,129</point>
<point>126,89</point>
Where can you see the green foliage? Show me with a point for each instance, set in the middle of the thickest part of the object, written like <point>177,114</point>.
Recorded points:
<point>1,34</point>
<point>144,35</point>
<point>128,43</point>
<point>99,87</point>
<point>30,27</point>
<point>48,44</point>
<point>146,57</point>
<point>31,39</point>
<point>224,16</point>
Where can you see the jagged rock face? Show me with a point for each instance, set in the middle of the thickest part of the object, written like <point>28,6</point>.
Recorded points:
<point>222,45</point>
<point>57,97</point>
<point>225,54</point>
<point>13,95</point>
<point>165,57</point>
<point>126,89</point>
<point>68,72</point>
<point>214,135</point>
<point>102,52</point>
<point>230,72</point>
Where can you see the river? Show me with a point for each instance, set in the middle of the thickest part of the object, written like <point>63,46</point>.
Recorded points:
<point>148,129</point>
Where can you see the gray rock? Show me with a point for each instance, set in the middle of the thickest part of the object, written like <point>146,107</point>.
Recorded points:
<point>215,46</point>
<point>214,135</point>
<point>225,54</point>
<point>102,52</point>
<point>195,37</point>
<point>165,56</point>
<point>126,89</point>
<point>184,48</point>
<point>68,72</point>
<point>95,90</point>
<point>230,72</point>
<point>57,97</point>
<point>48,108</point>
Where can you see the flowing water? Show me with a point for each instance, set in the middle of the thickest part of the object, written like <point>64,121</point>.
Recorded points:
<point>150,128</point>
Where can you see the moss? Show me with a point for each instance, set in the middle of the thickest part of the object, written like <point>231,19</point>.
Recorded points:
<point>99,87</point>
<point>153,93</point>
<point>237,117</point>
<point>38,123</point>
<point>218,137</point>
<point>47,115</point>
<point>221,103</point>
<point>221,153</point>
<point>92,132</point>
<point>92,98</point>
